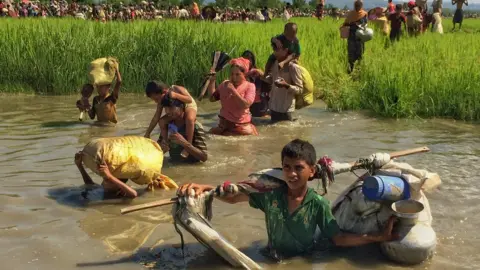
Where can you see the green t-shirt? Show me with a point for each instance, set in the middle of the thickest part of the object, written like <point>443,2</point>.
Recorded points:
<point>293,234</point>
<point>292,46</point>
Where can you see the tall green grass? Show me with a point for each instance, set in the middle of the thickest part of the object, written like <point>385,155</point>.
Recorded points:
<point>432,75</point>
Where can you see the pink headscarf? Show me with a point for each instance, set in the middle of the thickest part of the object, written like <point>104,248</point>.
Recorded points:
<point>244,63</point>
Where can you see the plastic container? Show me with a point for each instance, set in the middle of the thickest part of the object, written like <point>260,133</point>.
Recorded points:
<point>172,129</point>
<point>381,187</point>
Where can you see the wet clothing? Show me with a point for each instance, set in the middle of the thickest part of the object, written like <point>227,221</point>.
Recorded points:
<point>293,46</point>
<point>231,110</point>
<point>293,234</point>
<point>229,128</point>
<point>198,142</point>
<point>278,116</point>
<point>282,100</point>
<point>259,106</point>
<point>105,110</point>
<point>458,17</point>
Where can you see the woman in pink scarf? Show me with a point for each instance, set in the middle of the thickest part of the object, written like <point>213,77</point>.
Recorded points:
<point>236,95</point>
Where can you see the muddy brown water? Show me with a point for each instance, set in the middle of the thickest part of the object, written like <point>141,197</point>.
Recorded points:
<point>46,223</point>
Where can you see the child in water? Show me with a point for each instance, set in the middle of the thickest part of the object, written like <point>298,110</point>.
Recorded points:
<point>294,211</point>
<point>286,40</point>
<point>157,91</point>
<point>104,105</point>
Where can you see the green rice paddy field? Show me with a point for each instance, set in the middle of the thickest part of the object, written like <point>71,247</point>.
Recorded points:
<point>432,75</point>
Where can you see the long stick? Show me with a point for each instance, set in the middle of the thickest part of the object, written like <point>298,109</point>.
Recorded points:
<point>134,208</point>
<point>174,200</point>
<point>403,153</point>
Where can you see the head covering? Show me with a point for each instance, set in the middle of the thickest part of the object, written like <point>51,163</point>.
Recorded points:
<point>243,63</point>
<point>411,4</point>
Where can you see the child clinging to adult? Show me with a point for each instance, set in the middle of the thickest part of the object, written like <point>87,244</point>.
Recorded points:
<point>286,40</point>
<point>104,104</point>
<point>157,91</point>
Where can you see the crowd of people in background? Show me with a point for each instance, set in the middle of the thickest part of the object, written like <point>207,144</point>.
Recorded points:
<point>156,11</point>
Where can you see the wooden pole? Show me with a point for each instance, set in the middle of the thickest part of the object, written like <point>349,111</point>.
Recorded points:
<point>175,199</point>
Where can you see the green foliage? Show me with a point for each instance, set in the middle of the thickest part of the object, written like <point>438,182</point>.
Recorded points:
<point>424,76</point>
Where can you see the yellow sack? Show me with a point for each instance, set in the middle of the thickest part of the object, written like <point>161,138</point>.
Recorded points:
<point>306,97</point>
<point>131,157</point>
<point>102,70</point>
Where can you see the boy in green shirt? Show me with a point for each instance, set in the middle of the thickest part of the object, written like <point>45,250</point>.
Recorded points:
<point>293,211</point>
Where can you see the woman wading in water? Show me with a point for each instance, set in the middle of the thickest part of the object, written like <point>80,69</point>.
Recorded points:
<point>236,96</point>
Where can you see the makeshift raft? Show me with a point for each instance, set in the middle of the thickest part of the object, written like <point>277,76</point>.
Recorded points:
<point>195,214</point>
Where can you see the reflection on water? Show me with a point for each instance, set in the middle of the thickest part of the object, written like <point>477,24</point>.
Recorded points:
<point>48,218</point>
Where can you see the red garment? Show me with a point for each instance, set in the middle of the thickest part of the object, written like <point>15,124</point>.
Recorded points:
<point>391,8</point>
<point>230,109</point>
<point>396,21</point>
<point>244,63</point>
<point>227,128</point>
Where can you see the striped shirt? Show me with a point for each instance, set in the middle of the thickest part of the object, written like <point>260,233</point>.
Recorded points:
<point>198,142</point>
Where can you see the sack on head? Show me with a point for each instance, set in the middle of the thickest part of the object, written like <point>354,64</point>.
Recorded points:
<point>102,70</point>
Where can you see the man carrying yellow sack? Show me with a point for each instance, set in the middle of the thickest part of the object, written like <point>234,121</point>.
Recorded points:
<point>119,159</point>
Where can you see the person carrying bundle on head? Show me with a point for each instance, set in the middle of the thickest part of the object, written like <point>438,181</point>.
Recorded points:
<point>104,105</point>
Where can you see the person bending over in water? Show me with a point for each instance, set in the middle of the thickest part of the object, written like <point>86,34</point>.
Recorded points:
<point>104,105</point>
<point>119,159</point>
<point>158,91</point>
<point>177,143</point>
<point>293,211</point>
<point>236,96</point>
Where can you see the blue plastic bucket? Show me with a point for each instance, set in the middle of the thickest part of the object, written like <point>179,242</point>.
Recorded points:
<point>381,187</point>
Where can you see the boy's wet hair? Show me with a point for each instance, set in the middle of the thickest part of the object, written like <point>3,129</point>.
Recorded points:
<point>155,87</point>
<point>300,149</point>
<point>170,102</point>
<point>398,7</point>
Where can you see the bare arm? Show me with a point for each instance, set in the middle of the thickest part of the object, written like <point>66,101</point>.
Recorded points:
<point>192,150</point>
<point>211,88</point>
<point>242,102</point>
<point>197,153</point>
<point>154,121</point>
<point>118,83</point>
<point>352,240</point>
<point>183,95</point>
<point>129,192</point>
<point>91,112</point>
